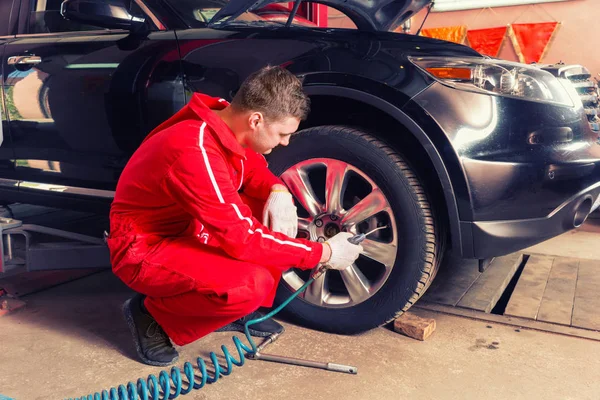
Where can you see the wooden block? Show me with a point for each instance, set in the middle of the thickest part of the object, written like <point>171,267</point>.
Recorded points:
<point>487,289</point>
<point>10,304</point>
<point>413,326</point>
<point>586,308</point>
<point>453,282</point>
<point>557,303</point>
<point>527,297</point>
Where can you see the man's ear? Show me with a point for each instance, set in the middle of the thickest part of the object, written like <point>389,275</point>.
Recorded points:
<point>255,119</point>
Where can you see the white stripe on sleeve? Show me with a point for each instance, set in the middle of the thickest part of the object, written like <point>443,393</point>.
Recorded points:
<point>208,168</point>
<point>239,213</point>
<point>265,235</point>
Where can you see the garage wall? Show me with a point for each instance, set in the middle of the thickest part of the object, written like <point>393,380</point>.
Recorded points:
<point>577,40</point>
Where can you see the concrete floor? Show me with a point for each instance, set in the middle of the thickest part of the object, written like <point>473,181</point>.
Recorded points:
<point>71,341</point>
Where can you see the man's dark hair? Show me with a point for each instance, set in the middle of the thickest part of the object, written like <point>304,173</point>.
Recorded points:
<point>275,92</point>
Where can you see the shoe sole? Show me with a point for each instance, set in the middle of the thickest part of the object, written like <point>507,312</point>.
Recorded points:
<point>136,339</point>
<point>240,328</point>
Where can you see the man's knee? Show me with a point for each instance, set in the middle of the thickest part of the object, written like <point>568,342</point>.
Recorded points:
<point>259,285</point>
<point>263,281</point>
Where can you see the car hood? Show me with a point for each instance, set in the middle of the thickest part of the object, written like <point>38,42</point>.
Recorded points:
<point>378,15</point>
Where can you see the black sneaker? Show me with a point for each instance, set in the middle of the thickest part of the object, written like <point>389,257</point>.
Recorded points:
<point>261,329</point>
<point>151,342</point>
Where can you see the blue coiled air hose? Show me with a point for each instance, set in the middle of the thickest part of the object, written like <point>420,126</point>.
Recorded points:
<point>152,388</point>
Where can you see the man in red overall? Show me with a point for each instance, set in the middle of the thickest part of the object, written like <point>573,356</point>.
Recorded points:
<point>185,224</point>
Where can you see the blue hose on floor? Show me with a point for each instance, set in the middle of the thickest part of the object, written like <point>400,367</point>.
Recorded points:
<point>153,387</point>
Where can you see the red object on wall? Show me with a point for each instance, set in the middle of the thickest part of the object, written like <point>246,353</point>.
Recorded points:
<point>315,13</point>
<point>487,41</point>
<point>281,13</point>
<point>531,41</point>
<point>309,14</point>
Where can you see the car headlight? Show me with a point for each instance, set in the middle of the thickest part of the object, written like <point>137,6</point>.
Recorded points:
<point>502,78</point>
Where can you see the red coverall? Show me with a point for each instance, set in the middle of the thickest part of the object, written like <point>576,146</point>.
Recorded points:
<point>182,230</point>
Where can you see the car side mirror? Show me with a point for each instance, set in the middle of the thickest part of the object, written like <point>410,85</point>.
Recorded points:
<point>105,14</point>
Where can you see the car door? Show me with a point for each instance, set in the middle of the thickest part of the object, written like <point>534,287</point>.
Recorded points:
<point>84,97</point>
<point>7,32</point>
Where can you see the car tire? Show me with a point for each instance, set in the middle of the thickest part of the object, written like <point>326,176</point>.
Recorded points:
<point>417,238</point>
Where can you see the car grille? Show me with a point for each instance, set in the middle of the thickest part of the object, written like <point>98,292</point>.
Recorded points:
<point>582,81</point>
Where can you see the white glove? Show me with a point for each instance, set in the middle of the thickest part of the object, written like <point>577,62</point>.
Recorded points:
<point>343,253</point>
<point>279,213</point>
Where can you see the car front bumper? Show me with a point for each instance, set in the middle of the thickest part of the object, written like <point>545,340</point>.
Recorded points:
<point>522,172</point>
<point>484,239</point>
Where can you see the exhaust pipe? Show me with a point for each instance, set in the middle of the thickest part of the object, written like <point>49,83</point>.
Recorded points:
<point>582,211</point>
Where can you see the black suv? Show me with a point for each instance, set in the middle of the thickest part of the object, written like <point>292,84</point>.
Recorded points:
<point>447,149</point>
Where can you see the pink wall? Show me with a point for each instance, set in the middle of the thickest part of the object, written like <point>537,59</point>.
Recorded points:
<point>575,41</point>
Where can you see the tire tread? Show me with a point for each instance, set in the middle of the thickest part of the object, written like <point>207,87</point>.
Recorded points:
<point>432,251</point>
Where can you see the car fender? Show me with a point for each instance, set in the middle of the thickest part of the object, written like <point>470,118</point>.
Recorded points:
<point>452,187</point>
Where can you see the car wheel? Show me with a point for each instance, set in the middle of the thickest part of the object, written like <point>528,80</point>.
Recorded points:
<point>344,179</point>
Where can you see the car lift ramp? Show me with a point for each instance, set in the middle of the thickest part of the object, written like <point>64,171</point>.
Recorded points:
<point>527,290</point>
<point>30,247</point>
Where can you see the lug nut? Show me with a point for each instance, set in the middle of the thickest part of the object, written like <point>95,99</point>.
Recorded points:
<point>333,217</point>
<point>321,239</point>
<point>319,223</point>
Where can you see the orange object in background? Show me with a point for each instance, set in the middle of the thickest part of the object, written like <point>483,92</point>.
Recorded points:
<point>454,34</point>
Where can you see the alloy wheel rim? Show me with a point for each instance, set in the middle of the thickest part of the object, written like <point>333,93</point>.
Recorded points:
<point>321,189</point>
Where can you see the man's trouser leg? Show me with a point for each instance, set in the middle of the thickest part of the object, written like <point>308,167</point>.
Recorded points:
<point>193,289</point>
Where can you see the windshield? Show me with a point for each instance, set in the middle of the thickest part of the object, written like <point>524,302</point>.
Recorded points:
<point>198,13</point>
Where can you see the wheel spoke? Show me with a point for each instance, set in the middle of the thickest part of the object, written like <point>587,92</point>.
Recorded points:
<point>303,224</point>
<point>356,283</point>
<point>384,253</point>
<point>292,279</point>
<point>297,182</point>
<point>336,171</point>
<point>373,203</point>
<point>317,291</point>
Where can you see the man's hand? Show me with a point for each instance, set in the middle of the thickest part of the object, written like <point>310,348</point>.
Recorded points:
<point>279,213</point>
<point>343,253</point>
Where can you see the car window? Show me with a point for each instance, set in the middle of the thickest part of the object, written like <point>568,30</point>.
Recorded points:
<point>44,17</point>
<point>5,6</point>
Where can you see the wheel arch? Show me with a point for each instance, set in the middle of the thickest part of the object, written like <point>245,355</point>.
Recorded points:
<point>423,154</point>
